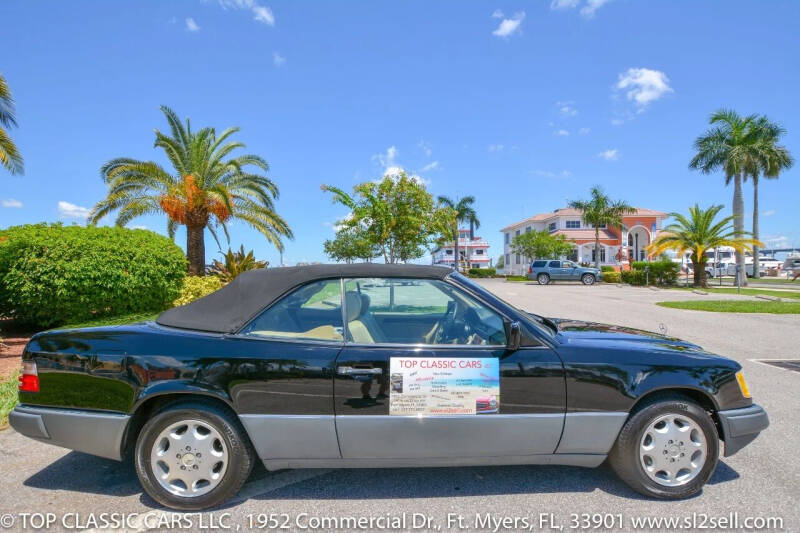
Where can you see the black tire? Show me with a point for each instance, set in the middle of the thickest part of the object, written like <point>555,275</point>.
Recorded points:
<point>587,279</point>
<point>624,456</point>
<point>543,279</point>
<point>241,456</point>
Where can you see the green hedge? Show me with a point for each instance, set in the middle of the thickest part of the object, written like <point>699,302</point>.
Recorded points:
<point>611,277</point>
<point>482,272</point>
<point>195,287</point>
<point>633,277</point>
<point>662,272</point>
<point>55,274</point>
<point>606,268</point>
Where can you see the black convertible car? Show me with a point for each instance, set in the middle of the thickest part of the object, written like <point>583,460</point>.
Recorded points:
<point>379,366</point>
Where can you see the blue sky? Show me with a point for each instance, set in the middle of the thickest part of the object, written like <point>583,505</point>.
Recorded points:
<point>524,105</point>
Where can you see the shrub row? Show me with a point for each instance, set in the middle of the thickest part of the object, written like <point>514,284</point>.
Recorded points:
<point>195,287</point>
<point>611,277</point>
<point>482,272</point>
<point>662,272</point>
<point>52,274</point>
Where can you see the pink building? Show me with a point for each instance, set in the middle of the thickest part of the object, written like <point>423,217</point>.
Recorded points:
<point>473,252</point>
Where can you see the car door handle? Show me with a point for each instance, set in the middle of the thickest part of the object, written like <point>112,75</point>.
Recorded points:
<point>354,371</point>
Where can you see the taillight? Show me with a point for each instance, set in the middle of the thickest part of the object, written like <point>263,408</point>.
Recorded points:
<point>29,379</point>
<point>530,270</point>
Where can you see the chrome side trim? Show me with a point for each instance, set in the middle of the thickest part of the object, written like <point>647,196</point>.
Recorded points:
<point>585,460</point>
<point>90,432</point>
<point>282,436</point>
<point>591,432</point>
<point>446,437</point>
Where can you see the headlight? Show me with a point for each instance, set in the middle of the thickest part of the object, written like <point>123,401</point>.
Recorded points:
<point>742,384</point>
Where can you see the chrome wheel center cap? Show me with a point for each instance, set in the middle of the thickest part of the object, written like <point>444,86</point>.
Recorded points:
<point>187,459</point>
<point>674,451</point>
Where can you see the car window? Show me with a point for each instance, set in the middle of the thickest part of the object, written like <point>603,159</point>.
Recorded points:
<point>539,264</point>
<point>568,264</point>
<point>555,264</point>
<point>313,311</point>
<point>417,311</point>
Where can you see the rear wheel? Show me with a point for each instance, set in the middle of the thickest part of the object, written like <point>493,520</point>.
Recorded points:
<point>667,449</point>
<point>193,455</point>
<point>543,279</point>
<point>587,279</point>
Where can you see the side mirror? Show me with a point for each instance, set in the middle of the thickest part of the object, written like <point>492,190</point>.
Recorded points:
<point>514,334</point>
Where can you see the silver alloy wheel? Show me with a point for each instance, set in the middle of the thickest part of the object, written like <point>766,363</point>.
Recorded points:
<point>673,450</point>
<point>189,458</point>
<point>543,279</point>
<point>588,279</point>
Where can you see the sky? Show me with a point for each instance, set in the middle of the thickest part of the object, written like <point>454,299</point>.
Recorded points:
<point>524,105</point>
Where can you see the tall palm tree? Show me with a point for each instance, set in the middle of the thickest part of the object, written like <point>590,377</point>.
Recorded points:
<point>698,233</point>
<point>464,212</point>
<point>599,210</point>
<point>9,155</point>
<point>206,189</point>
<point>730,146</point>
<point>772,159</point>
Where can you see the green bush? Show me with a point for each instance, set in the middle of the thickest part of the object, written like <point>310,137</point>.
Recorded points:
<point>482,272</point>
<point>611,277</point>
<point>662,272</point>
<point>607,268</point>
<point>52,274</point>
<point>516,278</point>
<point>633,277</point>
<point>195,287</point>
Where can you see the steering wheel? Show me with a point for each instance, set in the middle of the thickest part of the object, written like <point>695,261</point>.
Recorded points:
<point>446,325</point>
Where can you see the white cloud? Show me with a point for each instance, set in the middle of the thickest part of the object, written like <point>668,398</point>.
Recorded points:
<point>584,131</point>
<point>430,166</point>
<point>386,159</point>
<point>643,85</point>
<point>778,241</point>
<point>566,109</point>
<point>767,213</point>
<point>591,7</point>
<point>564,4</point>
<point>10,202</point>
<point>278,60</point>
<point>551,174</point>
<point>260,13</point>
<point>562,133</point>
<point>510,26</point>
<point>498,14</point>
<point>191,25</point>
<point>612,154</point>
<point>139,227</point>
<point>68,210</point>
<point>496,147</point>
<point>617,122</point>
<point>425,147</point>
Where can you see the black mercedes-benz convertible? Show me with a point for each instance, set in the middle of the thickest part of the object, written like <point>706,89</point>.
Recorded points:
<point>379,366</point>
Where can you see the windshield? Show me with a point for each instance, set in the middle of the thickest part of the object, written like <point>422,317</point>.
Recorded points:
<point>544,324</point>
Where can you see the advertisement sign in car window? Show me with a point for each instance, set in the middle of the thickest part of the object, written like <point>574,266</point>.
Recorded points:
<point>444,386</point>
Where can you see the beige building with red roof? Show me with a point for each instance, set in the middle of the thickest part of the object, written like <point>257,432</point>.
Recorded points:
<point>618,246</point>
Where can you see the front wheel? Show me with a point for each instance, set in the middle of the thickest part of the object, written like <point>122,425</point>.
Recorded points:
<point>192,456</point>
<point>667,449</point>
<point>587,279</point>
<point>543,279</point>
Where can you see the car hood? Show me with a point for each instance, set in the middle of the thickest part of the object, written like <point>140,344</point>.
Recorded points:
<point>593,332</point>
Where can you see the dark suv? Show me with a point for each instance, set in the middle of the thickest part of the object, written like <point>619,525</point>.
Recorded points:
<point>545,271</point>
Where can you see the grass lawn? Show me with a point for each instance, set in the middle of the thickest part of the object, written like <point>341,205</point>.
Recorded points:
<point>112,320</point>
<point>517,278</point>
<point>736,306</point>
<point>749,292</point>
<point>775,281</point>
<point>8,397</point>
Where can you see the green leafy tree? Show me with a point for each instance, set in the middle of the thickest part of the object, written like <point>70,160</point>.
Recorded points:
<point>206,189</point>
<point>10,157</point>
<point>397,216</point>
<point>234,263</point>
<point>541,245</point>
<point>600,210</point>
<point>772,160</point>
<point>732,146</point>
<point>500,263</point>
<point>349,245</point>
<point>698,233</point>
<point>465,212</point>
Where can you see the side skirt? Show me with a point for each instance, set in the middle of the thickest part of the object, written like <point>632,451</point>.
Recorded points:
<point>566,459</point>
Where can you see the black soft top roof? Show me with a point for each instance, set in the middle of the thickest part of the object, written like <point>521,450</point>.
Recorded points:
<point>230,308</point>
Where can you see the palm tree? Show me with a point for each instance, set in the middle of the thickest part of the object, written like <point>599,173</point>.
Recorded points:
<point>772,159</point>
<point>601,210</point>
<point>697,234</point>
<point>464,212</point>
<point>206,190</point>
<point>234,264</point>
<point>9,155</point>
<point>733,147</point>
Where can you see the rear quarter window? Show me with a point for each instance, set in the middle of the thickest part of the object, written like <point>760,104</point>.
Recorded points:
<point>538,264</point>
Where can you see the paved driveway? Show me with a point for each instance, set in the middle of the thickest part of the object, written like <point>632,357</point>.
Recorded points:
<point>762,480</point>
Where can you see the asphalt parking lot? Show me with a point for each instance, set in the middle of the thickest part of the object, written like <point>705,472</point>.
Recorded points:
<point>763,480</point>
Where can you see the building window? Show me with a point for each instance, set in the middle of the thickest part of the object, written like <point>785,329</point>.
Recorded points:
<point>449,252</point>
<point>652,228</point>
<point>479,251</point>
<point>573,224</point>
<point>528,229</point>
<point>516,259</point>
<point>476,265</point>
<point>601,226</point>
<point>508,259</point>
<point>602,254</point>
<point>551,227</point>
<point>516,234</point>
<point>507,235</point>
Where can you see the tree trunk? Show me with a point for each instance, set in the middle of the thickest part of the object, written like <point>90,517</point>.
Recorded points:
<point>700,276</point>
<point>597,246</point>
<point>196,250</point>
<point>738,225</point>
<point>471,230</point>
<point>755,226</point>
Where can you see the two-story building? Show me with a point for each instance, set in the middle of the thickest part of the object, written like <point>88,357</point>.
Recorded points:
<point>473,252</point>
<point>618,246</point>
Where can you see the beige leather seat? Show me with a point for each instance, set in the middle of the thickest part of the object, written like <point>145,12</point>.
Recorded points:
<point>358,331</point>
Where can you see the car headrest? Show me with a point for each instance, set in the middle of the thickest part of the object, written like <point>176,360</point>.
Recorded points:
<point>352,302</point>
<point>365,301</point>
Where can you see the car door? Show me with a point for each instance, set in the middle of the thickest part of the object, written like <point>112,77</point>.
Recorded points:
<point>452,392</point>
<point>555,270</point>
<point>569,271</point>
